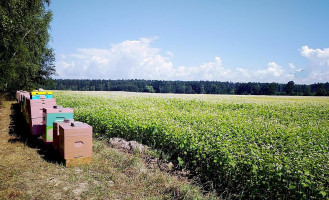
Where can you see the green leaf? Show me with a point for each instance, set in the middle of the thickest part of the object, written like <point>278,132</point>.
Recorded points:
<point>180,161</point>
<point>323,193</point>
<point>292,186</point>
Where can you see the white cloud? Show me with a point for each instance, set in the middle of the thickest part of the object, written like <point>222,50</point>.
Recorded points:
<point>318,68</point>
<point>273,70</point>
<point>317,57</point>
<point>137,59</point>
<point>312,53</point>
<point>128,59</point>
<point>292,66</point>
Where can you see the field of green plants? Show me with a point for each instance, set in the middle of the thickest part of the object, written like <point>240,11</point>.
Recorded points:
<point>248,146</point>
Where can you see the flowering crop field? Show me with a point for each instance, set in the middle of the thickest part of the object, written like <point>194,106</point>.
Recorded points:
<point>264,147</point>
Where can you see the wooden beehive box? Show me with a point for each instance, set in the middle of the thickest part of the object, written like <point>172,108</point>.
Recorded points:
<point>75,143</point>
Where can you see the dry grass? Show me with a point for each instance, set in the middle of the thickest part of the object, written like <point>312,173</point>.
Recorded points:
<point>30,170</point>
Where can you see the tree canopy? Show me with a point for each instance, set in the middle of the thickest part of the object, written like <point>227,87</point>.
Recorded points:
<point>26,60</point>
<point>191,87</point>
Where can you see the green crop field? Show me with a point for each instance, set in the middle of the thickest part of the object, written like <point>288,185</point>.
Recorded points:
<point>249,146</point>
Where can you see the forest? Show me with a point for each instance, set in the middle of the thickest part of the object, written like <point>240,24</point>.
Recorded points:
<point>191,87</point>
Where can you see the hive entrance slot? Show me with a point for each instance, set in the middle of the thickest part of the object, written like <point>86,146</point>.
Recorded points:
<point>78,144</point>
<point>78,157</point>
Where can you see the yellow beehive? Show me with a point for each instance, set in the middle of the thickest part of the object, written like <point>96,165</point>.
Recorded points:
<point>37,92</point>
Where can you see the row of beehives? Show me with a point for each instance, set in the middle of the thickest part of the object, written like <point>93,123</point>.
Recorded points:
<point>56,125</point>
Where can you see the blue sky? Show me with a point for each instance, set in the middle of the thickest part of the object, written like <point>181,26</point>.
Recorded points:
<point>239,41</point>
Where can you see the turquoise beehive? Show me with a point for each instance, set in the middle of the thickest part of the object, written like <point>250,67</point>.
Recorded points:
<point>51,115</point>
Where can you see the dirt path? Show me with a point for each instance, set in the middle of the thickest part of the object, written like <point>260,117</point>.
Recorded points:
<point>31,170</point>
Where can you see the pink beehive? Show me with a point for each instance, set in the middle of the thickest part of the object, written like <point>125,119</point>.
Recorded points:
<point>24,106</point>
<point>35,113</point>
<point>18,94</point>
<point>56,109</point>
<point>36,106</point>
<point>36,125</point>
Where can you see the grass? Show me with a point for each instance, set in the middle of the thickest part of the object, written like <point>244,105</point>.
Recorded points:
<point>29,170</point>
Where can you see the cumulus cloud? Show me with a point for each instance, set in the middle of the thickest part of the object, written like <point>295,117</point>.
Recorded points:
<point>273,70</point>
<point>317,69</point>
<point>315,53</point>
<point>137,59</point>
<point>126,60</point>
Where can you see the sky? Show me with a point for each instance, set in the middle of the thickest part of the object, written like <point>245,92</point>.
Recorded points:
<point>215,40</point>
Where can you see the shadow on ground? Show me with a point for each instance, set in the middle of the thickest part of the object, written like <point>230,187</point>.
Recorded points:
<point>20,131</point>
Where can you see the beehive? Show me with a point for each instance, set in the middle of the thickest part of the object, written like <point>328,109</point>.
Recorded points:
<point>41,92</point>
<point>36,125</point>
<point>24,107</point>
<point>51,115</point>
<point>36,106</point>
<point>18,94</point>
<point>24,96</point>
<point>56,132</point>
<point>75,143</point>
<point>35,113</point>
<point>45,96</point>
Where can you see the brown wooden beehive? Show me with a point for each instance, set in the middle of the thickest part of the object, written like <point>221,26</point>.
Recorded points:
<point>75,143</point>
<point>56,132</point>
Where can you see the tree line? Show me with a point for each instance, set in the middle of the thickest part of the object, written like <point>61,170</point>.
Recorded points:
<point>191,87</point>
